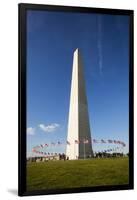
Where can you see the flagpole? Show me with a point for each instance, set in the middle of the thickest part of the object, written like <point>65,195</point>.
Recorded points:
<point>75,148</point>
<point>84,150</point>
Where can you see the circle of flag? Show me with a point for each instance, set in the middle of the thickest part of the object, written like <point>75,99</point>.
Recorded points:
<point>38,149</point>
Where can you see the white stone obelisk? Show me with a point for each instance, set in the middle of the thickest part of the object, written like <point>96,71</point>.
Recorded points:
<point>79,143</point>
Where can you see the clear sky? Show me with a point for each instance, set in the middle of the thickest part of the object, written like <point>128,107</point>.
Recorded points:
<point>52,38</point>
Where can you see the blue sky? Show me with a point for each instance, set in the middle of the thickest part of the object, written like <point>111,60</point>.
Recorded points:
<point>52,38</point>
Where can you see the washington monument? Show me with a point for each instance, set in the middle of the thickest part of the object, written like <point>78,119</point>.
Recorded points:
<point>79,143</point>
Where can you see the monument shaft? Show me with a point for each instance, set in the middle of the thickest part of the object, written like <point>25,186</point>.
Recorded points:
<point>79,143</point>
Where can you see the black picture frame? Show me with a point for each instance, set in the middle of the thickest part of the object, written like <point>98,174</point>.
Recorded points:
<point>22,8</point>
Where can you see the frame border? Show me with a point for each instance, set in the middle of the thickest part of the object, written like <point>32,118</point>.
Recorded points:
<point>22,11</point>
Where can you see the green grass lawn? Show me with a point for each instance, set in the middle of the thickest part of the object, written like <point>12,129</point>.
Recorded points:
<point>77,173</point>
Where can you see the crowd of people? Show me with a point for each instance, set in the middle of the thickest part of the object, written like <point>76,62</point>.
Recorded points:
<point>108,155</point>
<point>64,157</point>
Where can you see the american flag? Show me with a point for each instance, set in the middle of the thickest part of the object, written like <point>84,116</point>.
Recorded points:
<point>33,150</point>
<point>68,142</point>
<point>110,141</point>
<point>76,142</point>
<point>85,141</point>
<point>123,144</point>
<point>59,142</point>
<point>95,141</point>
<point>103,141</point>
